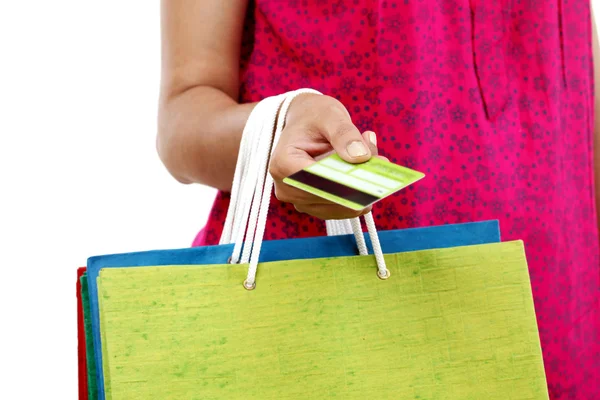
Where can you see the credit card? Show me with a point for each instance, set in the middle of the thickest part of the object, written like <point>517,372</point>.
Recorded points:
<point>355,186</point>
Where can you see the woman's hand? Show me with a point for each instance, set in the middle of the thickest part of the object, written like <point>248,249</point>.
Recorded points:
<point>317,125</point>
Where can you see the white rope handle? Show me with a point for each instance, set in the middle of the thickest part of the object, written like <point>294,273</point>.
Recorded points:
<point>340,227</point>
<point>247,148</point>
<point>252,187</point>
<point>358,236</point>
<point>250,282</point>
<point>382,270</point>
<point>332,228</point>
<point>336,227</point>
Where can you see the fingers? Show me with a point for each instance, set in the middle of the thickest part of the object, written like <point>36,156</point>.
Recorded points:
<point>371,139</point>
<point>287,160</point>
<point>330,211</point>
<point>316,125</point>
<point>318,207</point>
<point>289,194</point>
<point>347,141</point>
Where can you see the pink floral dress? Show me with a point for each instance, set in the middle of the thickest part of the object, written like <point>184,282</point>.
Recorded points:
<point>493,100</point>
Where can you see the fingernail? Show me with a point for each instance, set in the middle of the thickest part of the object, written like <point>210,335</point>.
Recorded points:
<point>373,138</point>
<point>357,149</point>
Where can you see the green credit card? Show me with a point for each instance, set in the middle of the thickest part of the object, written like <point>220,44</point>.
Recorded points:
<point>355,186</point>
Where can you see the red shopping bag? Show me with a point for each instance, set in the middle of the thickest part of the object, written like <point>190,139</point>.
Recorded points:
<point>82,370</point>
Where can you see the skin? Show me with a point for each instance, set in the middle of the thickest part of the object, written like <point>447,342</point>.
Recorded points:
<point>200,121</point>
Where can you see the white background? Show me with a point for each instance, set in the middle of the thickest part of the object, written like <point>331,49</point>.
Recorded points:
<point>79,174</point>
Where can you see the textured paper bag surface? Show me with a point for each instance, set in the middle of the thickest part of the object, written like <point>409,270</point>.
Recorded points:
<point>394,241</point>
<point>452,323</point>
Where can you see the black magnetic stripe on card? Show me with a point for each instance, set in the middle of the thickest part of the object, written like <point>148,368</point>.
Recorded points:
<point>334,188</point>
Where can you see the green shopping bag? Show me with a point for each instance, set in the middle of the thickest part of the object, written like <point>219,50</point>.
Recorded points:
<point>454,323</point>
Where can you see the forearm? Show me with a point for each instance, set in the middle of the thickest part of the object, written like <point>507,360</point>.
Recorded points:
<point>199,134</point>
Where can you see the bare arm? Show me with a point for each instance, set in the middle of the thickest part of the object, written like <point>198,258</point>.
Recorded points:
<point>200,122</point>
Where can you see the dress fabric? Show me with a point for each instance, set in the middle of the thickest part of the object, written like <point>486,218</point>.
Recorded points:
<point>492,100</point>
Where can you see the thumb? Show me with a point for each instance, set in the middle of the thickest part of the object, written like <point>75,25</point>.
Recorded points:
<point>348,143</point>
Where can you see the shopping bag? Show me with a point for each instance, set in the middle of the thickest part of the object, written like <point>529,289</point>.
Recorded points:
<point>453,323</point>
<point>81,349</point>
<point>90,367</point>
<point>276,250</point>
